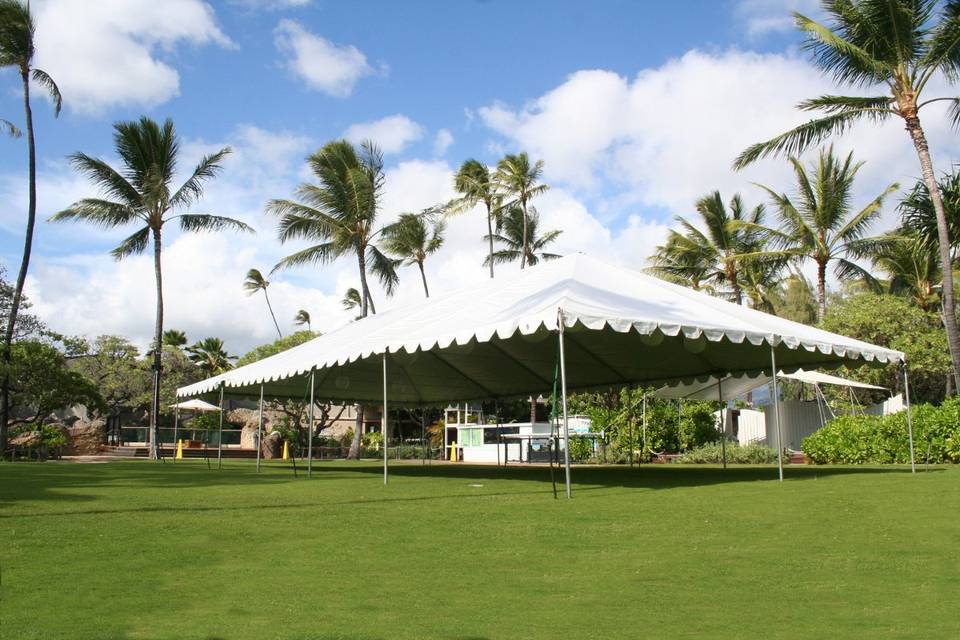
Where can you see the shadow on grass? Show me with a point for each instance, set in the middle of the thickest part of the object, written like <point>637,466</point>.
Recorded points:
<point>59,482</point>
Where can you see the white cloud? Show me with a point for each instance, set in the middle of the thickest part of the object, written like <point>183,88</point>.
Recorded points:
<point>323,65</point>
<point>670,134</point>
<point>762,17</point>
<point>442,142</point>
<point>392,133</point>
<point>110,52</point>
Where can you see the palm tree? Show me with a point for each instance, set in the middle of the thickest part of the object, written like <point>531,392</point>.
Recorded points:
<point>340,212</point>
<point>475,183</point>
<point>897,46</point>
<point>920,217</point>
<point>516,178</point>
<point>717,255</point>
<point>912,266</point>
<point>140,193</point>
<point>414,237</point>
<point>17,50</point>
<point>351,299</point>
<point>210,356</point>
<point>302,318</point>
<point>174,338</point>
<point>256,282</point>
<point>520,239</point>
<point>819,225</point>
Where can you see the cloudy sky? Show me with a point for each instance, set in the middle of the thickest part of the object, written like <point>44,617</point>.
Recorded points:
<point>636,108</point>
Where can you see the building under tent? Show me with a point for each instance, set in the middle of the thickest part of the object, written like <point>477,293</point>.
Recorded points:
<point>575,322</point>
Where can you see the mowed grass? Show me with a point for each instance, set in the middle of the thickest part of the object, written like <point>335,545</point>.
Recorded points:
<point>139,549</point>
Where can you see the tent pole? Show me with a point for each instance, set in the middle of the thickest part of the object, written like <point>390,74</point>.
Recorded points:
<point>644,449</point>
<point>776,411</point>
<point>630,427</point>
<point>566,424</point>
<point>723,425</point>
<point>423,433</point>
<point>310,428</point>
<point>383,419</point>
<point>176,426</point>
<point>260,430</point>
<point>906,396</point>
<point>220,438</point>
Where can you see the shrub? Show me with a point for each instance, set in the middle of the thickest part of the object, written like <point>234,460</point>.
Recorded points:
<point>712,453</point>
<point>580,448</point>
<point>884,439</point>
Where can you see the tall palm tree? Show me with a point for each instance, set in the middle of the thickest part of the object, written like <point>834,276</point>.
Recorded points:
<point>519,181</point>
<point>475,183</point>
<point>897,46</point>
<point>340,212</point>
<point>210,356</point>
<point>912,267</point>
<point>714,256</point>
<point>256,282</point>
<point>414,237</point>
<point>16,51</point>
<point>520,239</point>
<point>174,338</point>
<point>818,223</point>
<point>302,318</point>
<point>141,193</point>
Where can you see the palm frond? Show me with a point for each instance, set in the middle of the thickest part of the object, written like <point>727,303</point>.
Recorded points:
<point>43,79</point>
<point>838,56</point>
<point>134,244</point>
<point>318,254</point>
<point>838,104</point>
<point>207,222</point>
<point>384,268</point>
<point>208,168</point>
<point>102,213</point>
<point>110,182</point>
<point>11,129</point>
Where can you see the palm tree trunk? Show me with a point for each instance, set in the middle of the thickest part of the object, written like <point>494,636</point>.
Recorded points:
<point>423,276</point>
<point>366,298</point>
<point>272,314</point>
<point>489,236</point>
<point>24,263</point>
<point>523,256</point>
<point>943,235</point>
<point>157,350</point>
<point>821,291</point>
<point>354,453</point>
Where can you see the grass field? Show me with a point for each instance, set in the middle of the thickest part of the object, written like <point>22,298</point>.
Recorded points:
<point>148,550</point>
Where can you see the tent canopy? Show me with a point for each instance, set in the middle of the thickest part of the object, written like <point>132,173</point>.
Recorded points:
<point>498,339</point>
<point>195,404</point>
<point>816,377</point>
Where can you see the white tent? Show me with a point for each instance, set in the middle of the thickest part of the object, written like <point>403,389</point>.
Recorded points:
<point>731,386</point>
<point>195,404</point>
<point>500,339</point>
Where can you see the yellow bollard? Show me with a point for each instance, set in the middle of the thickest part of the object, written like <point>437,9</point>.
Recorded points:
<point>286,451</point>
<point>453,452</point>
<point>179,450</point>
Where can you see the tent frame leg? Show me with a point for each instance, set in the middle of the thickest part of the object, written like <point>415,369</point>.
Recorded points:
<point>176,427</point>
<point>566,423</point>
<point>384,423</point>
<point>310,427</point>
<point>220,436</point>
<point>776,410</point>
<point>260,430</point>
<point>723,424</point>
<point>906,397</point>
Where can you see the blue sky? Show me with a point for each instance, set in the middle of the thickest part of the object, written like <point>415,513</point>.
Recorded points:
<point>636,108</point>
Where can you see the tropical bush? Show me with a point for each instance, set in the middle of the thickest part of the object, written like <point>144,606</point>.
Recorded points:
<point>884,439</point>
<point>712,453</point>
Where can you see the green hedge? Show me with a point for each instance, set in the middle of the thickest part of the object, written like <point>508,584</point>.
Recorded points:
<point>884,440</point>
<point>712,453</point>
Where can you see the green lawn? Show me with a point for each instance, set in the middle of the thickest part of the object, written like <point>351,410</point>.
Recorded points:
<point>147,550</point>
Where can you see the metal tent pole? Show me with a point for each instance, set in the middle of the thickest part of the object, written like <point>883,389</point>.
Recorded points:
<point>776,412</point>
<point>644,450</point>
<point>566,424</point>
<point>723,425</point>
<point>260,430</point>
<point>176,426</point>
<point>310,428</point>
<point>220,437</point>
<point>383,419</point>
<point>906,397</point>
<point>630,430</point>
